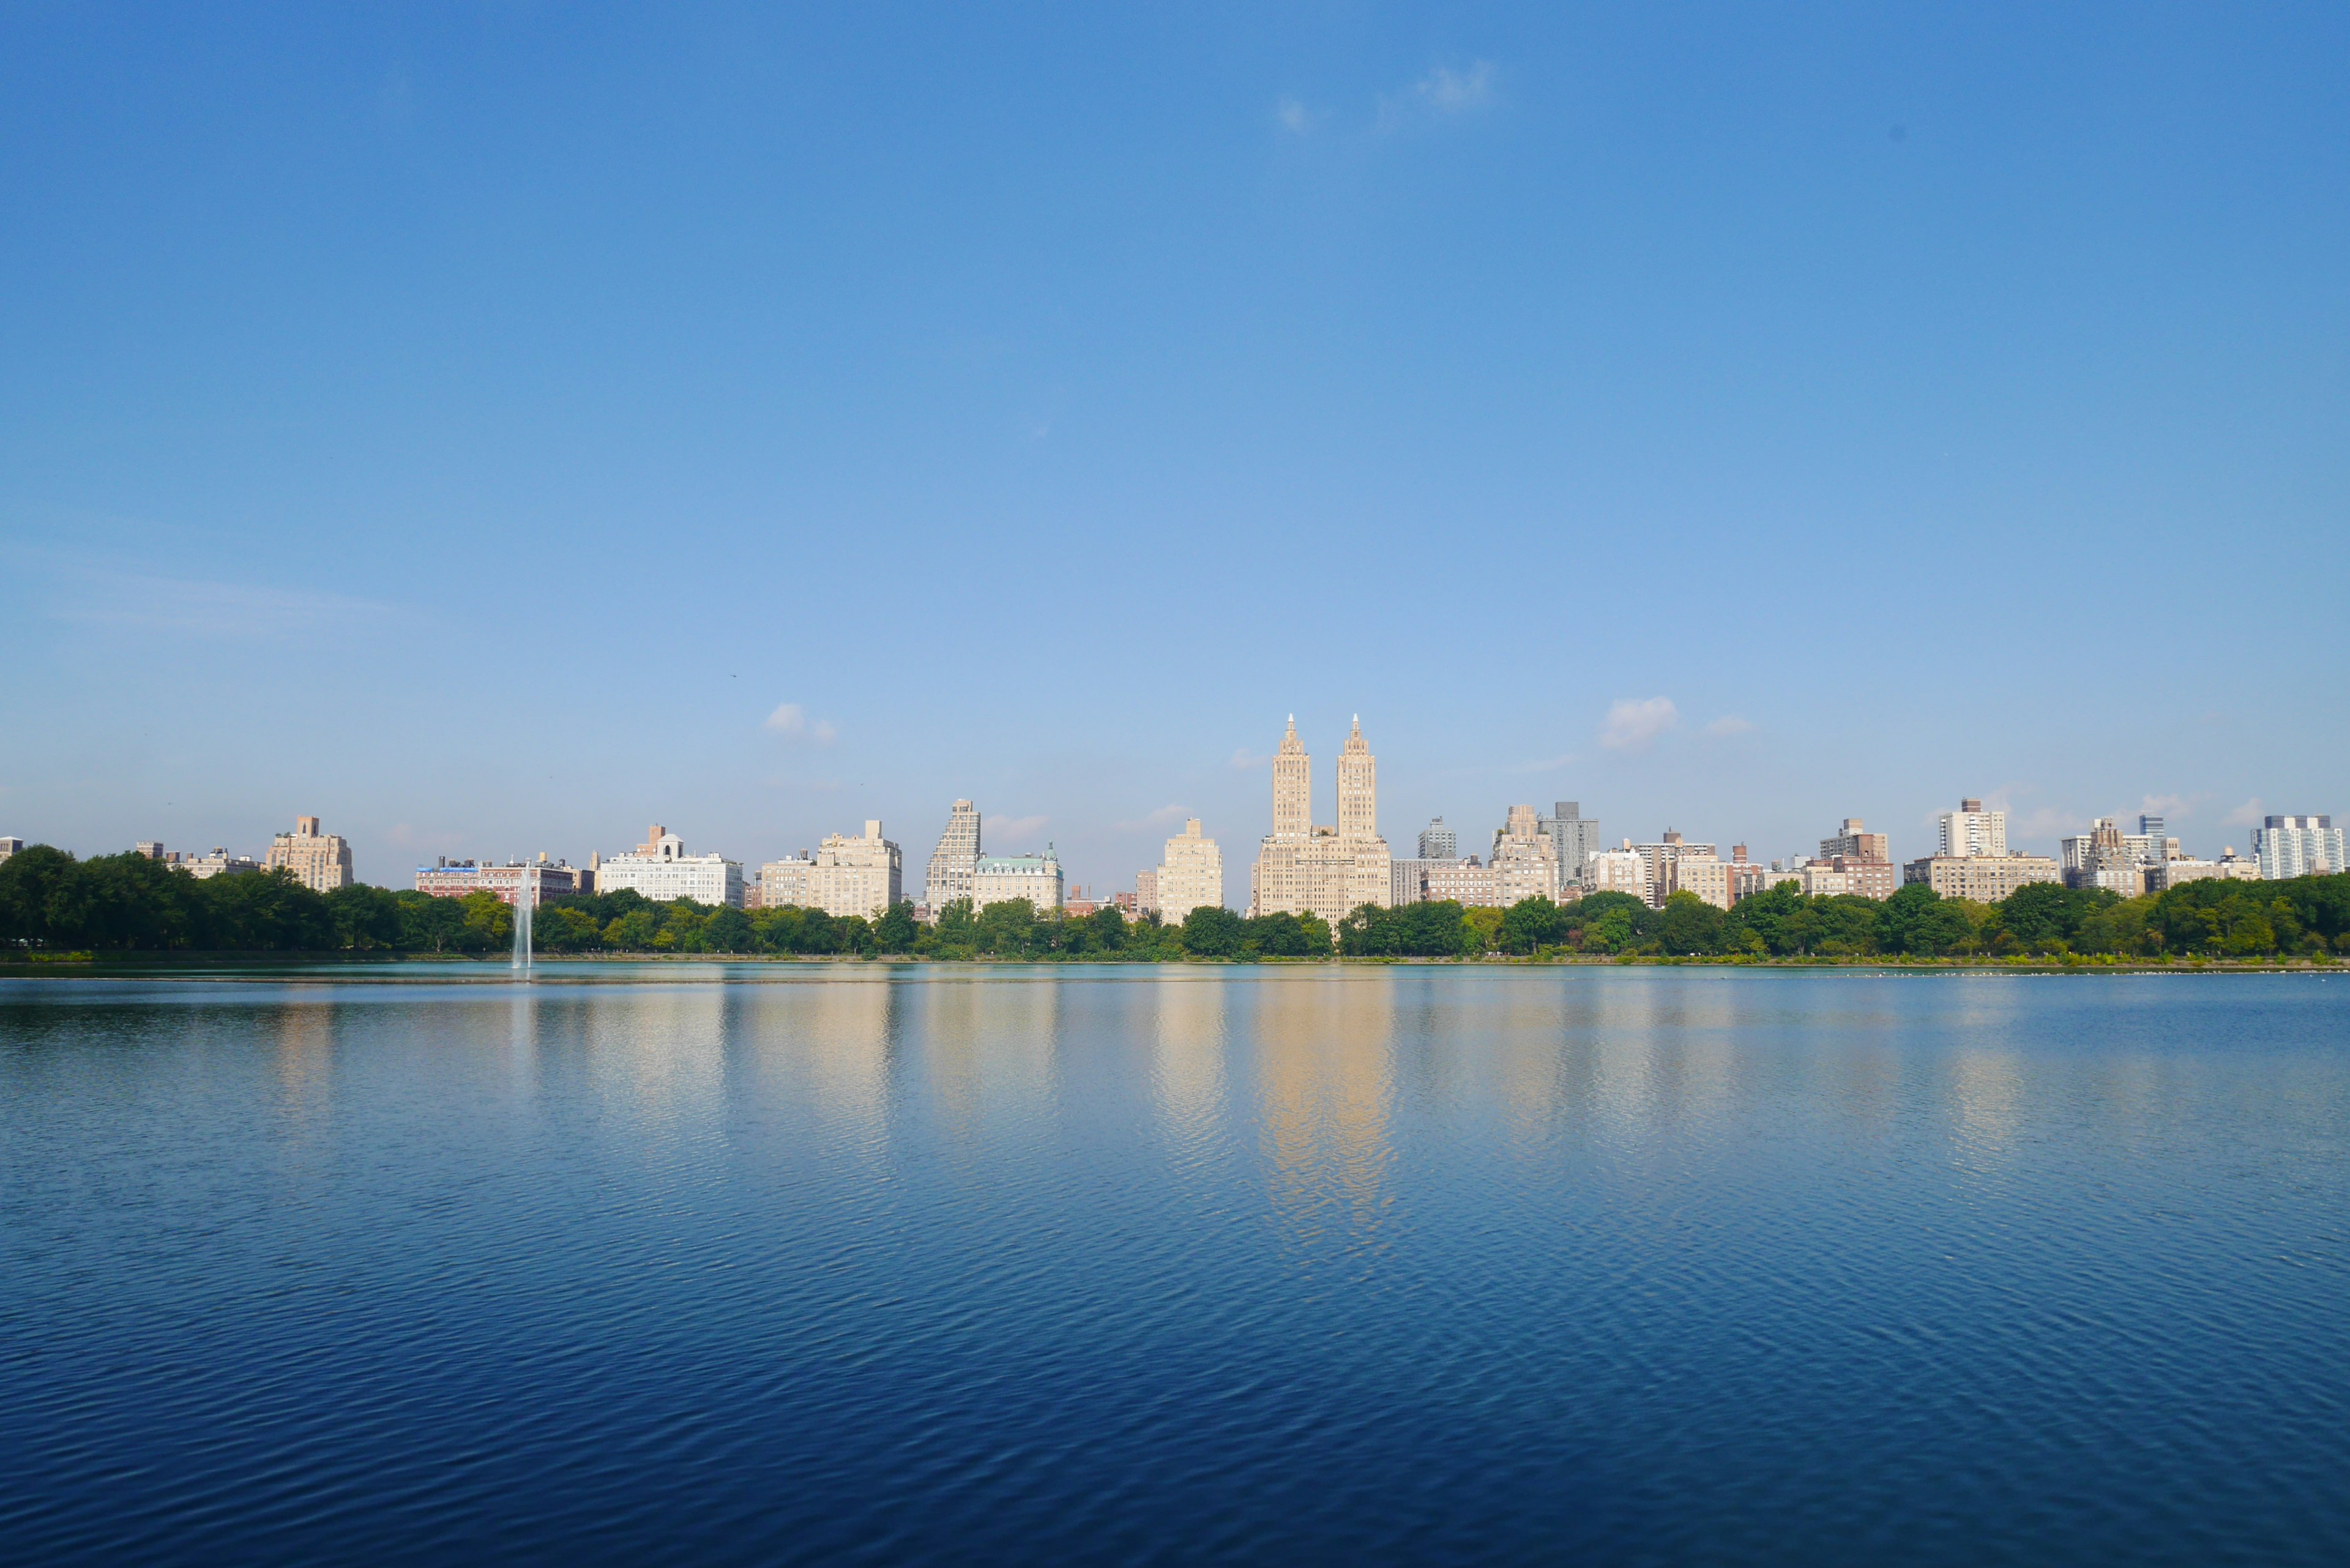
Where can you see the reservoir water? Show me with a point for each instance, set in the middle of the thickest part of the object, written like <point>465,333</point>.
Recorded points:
<point>1078,1265</point>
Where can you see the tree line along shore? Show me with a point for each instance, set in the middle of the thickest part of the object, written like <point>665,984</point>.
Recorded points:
<point>52,904</point>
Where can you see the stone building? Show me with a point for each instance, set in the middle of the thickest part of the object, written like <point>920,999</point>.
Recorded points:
<point>1303,868</point>
<point>1192,874</point>
<point>1524,862</point>
<point>1000,878</point>
<point>857,876</point>
<point>319,861</point>
<point>660,869</point>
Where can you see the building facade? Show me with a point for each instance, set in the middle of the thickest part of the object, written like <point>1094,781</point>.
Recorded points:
<point>319,861</point>
<point>1328,871</point>
<point>1438,842</point>
<point>1854,842</point>
<point>1191,876</point>
<point>1971,831</point>
<point>948,876</point>
<point>1462,881</point>
<point>2107,858</point>
<point>788,883</point>
<point>660,869</point>
<point>1658,860</point>
<point>1985,878</point>
<point>1146,892</point>
<point>1525,863</point>
<point>862,876</point>
<point>1000,878</point>
<point>2298,846</point>
<point>1623,870</point>
<point>1575,838</point>
<point>534,881</point>
<point>2176,870</point>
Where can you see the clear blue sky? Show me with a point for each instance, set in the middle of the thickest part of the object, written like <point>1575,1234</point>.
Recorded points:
<point>472,423</point>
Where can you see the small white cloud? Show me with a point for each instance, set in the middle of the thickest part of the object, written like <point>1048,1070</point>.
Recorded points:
<point>1634,724</point>
<point>1295,116</point>
<point>1447,91</point>
<point>1244,758</point>
<point>791,720</point>
<point>2245,816</point>
<point>1162,818</point>
<point>1004,829</point>
<point>1730,724</point>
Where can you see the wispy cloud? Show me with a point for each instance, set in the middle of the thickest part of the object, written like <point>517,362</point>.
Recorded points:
<point>1633,724</point>
<point>1295,116</point>
<point>2245,816</point>
<point>791,720</point>
<point>1244,758</point>
<point>1164,816</point>
<point>1014,829</point>
<point>2170,807</point>
<point>239,612</point>
<point>1447,91</point>
<point>1547,764</point>
<point>1730,724</point>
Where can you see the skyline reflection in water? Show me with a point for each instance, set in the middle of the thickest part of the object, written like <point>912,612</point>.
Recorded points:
<point>746,1262</point>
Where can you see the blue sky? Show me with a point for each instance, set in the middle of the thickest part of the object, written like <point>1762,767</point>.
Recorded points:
<point>475,424</point>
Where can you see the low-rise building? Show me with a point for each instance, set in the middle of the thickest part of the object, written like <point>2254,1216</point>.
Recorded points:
<point>219,863</point>
<point>1191,876</point>
<point>10,847</point>
<point>660,869</point>
<point>1984,879</point>
<point>538,880</point>
<point>1000,878</point>
<point>861,876</point>
<point>1462,881</point>
<point>2298,846</point>
<point>2177,870</point>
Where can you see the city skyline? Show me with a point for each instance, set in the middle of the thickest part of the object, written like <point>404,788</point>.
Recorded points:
<point>1031,409</point>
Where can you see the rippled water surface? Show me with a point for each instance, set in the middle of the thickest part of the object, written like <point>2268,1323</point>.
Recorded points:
<point>1412,1265</point>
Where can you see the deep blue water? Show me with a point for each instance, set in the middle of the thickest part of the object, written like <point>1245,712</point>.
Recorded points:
<point>1386,1265</point>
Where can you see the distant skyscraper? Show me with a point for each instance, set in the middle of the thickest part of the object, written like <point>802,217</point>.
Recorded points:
<point>1574,837</point>
<point>952,862</point>
<point>1438,842</point>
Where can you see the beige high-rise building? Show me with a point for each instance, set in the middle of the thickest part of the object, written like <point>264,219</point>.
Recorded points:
<point>319,861</point>
<point>857,876</point>
<point>1973,831</point>
<point>1525,859</point>
<point>1191,876</point>
<point>1623,870</point>
<point>1302,869</point>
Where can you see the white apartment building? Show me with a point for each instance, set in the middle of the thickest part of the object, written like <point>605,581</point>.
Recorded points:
<point>2107,858</point>
<point>1970,830</point>
<point>1000,878</point>
<point>2298,846</point>
<point>10,847</point>
<point>319,861</point>
<point>660,869</point>
<point>788,883</point>
<point>857,876</point>
<point>1191,876</point>
<point>1623,870</point>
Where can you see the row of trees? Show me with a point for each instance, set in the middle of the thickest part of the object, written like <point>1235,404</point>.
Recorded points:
<point>50,900</point>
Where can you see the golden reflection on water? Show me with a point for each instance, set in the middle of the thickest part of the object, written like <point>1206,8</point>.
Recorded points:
<point>662,1052</point>
<point>305,1064</point>
<point>1188,1056</point>
<point>1325,1065</point>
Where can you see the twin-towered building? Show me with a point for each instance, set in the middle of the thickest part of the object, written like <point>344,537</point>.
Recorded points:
<point>1327,870</point>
